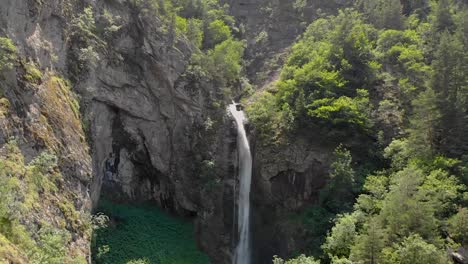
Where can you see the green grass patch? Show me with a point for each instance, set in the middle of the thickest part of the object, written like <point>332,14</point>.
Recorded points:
<point>144,234</point>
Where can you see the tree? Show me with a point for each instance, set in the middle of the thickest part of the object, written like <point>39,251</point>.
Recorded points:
<point>404,211</point>
<point>458,227</point>
<point>415,6</point>
<point>215,32</point>
<point>302,259</point>
<point>423,133</point>
<point>195,32</point>
<point>383,13</point>
<point>449,81</point>
<point>342,236</point>
<point>414,250</point>
<point>338,194</point>
<point>368,246</point>
<point>443,16</point>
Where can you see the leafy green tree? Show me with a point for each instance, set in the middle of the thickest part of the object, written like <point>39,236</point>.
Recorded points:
<point>302,259</point>
<point>51,248</point>
<point>339,241</point>
<point>266,117</point>
<point>325,78</point>
<point>423,133</point>
<point>404,211</point>
<point>339,192</point>
<point>317,222</point>
<point>369,244</point>
<point>443,16</point>
<point>444,192</point>
<point>420,7</point>
<point>449,81</point>
<point>458,227</point>
<point>195,32</point>
<point>383,13</point>
<point>227,59</point>
<point>415,250</point>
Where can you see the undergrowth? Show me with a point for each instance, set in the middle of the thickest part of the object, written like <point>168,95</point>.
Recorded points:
<point>144,234</point>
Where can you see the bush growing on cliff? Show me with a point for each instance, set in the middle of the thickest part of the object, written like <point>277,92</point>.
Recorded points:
<point>222,64</point>
<point>7,53</point>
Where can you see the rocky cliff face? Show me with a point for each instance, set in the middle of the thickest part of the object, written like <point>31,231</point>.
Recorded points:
<point>40,114</point>
<point>287,180</point>
<point>153,134</point>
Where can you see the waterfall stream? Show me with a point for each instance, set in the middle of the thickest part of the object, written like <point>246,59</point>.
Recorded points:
<point>242,251</point>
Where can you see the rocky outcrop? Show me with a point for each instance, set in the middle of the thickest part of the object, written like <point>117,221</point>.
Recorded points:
<point>288,178</point>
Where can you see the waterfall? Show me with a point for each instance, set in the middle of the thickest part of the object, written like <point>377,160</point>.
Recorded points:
<point>242,253</point>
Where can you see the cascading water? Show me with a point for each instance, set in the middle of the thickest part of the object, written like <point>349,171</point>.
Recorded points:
<point>242,253</point>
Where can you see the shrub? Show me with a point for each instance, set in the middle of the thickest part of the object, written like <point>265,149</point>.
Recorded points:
<point>7,53</point>
<point>33,74</point>
<point>217,32</point>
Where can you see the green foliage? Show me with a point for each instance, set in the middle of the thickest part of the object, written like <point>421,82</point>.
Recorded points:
<point>449,82</point>
<point>339,192</point>
<point>397,70</point>
<point>424,122</point>
<point>326,77</point>
<point>401,214</point>
<point>7,53</point>
<point>443,19</point>
<point>266,117</point>
<point>84,25</point>
<point>382,13</point>
<point>221,64</point>
<point>369,244</point>
<point>51,246</point>
<point>414,250</point>
<point>24,189</point>
<point>217,32</point>
<point>302,259</point>
<point>144,234</point>
<point>195,32</point>
<point>342,236</point>
<point>316,220</point>
<point>33,74</point>
<point>458,228</point>
<point>343,110</point>
<point>108,24</point>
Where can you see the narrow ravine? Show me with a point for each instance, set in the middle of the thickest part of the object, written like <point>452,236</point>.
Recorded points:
<point>242,252</point>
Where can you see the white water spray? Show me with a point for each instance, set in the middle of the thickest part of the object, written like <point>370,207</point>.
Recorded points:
<point>242,253</point>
